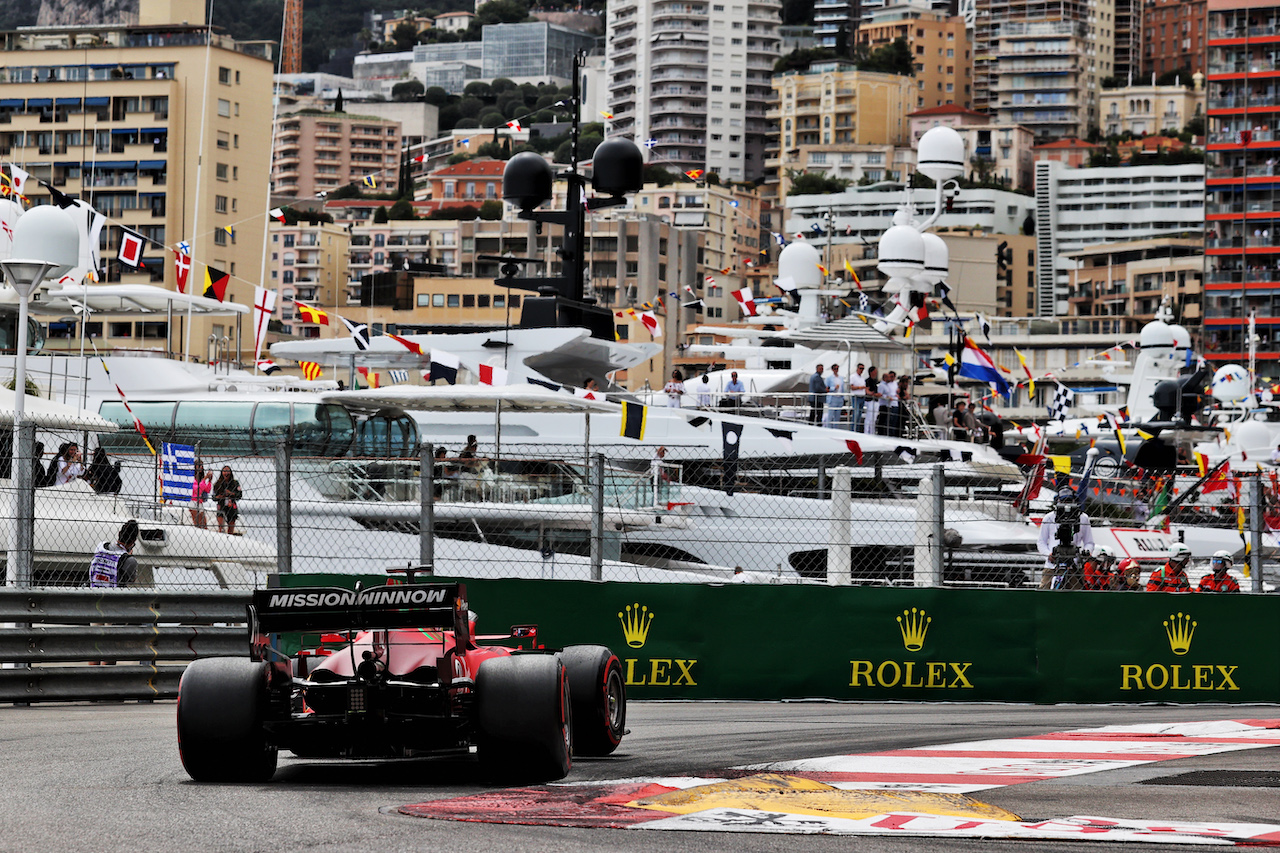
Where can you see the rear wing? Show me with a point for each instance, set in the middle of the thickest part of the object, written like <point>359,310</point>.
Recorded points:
<point>318,608</point>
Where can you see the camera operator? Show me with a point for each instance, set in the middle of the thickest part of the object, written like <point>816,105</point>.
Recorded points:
<point>1065,536</point>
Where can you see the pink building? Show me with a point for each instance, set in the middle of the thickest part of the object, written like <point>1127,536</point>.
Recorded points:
<point>1074,152</point>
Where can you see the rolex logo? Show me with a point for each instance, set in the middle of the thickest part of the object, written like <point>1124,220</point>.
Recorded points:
<point>1179,628</point>
<point>913,624</point>
<point>635,624</point>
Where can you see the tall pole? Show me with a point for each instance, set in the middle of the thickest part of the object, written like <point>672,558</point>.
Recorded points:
<point>195,196</point>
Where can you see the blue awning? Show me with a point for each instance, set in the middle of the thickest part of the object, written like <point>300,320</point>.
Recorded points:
<point>120,131</point>
<point>39,102</point>
<point>68,102</point>
<point>11,102</point>
<point>112,167</point>
<point>155,130</point>
<point>152,164</point>
<point>68,164</point>
<point>97,102</point>
<point>150,195</point>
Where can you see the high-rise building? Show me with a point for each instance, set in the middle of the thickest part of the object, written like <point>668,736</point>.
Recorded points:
<point>317,152</point>
<point>1173,37</point>
<point>119,116</point>
<point>1040,63</point>
<point>691,81</point>
<point>308,263</point>
<point>1242,243</point>
<point>835,23</point>
<point>939,44</point>
<point>1083,207</point>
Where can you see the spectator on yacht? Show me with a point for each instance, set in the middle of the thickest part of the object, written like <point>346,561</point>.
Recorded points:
<point>734,390</point>
<point>817,395</point>
<point>835,398</point>
<point>704,392</point>
<point>871,410</point>
<point>674,390</point>
<point>70,465</point>
<point>857,397</point>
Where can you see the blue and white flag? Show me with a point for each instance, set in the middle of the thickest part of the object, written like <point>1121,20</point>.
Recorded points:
<point>177,471</point>
<point>398,376</point>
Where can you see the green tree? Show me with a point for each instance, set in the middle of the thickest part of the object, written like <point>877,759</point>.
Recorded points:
<point>895,58</point>
<point>503,84</point>
<point>492,118</point>
<point>470,107</point>
<point>405,35</point>
<point>815,183</point>
<point>380,215</point>
<point>501,12</point>
<point>436,96</point>
<point>478,88</point>
<point>409,90</point>
<point>800,60</point>
<point>658,175</point>
<point>1179,76</point>
<point>491,209</point>
<point>1195,127</point>
<point>402,209</point>
<point>459,157</point>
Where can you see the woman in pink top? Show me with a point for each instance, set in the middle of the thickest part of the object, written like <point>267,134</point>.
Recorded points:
<point>200,491</point>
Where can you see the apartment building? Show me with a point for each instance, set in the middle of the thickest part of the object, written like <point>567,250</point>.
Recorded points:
<point>316,152</point>
<point>691,81</point>
<point>1041,64</point>
<point>1002,153</point>
<point>1076,208</point>
<point>308,262</point>
<point>939,43</point>
<point>1118,287</point>
<point>1242,245</point>
<point>1173,36</point>
<point>114,114</point>
<point>1143,109</point>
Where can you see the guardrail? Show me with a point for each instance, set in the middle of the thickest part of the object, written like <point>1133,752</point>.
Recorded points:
<point>53,638</point>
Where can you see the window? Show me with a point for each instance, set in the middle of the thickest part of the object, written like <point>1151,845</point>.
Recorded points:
<point>224,108</point>
<point>454,300</point>
<point>482,301</point>
<point>219,204</point>
<point>437,300</point>
<point>220,237</point>
<point>224,140</point>
<point>224,76</point>
<point>220,170</point>
<point>120,330</point>
<point>468,300</point>
<point>424,300</point>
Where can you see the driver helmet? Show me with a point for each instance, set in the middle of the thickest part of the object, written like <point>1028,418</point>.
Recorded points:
<point>1104,555</point>
<point>1127,564</point>
<point>1220,562</point>
<point>1179,555</point>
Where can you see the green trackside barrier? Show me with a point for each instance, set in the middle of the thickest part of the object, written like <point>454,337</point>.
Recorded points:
<point>741,641</point>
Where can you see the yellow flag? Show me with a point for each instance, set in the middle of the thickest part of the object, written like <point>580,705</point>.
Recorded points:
<point>1061,464</point>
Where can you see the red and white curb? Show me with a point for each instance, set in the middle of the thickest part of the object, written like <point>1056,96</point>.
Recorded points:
<point>956,768</point>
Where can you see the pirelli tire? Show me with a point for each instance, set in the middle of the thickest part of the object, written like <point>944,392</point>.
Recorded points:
<point>222,704</point>
<point>524,718</point>
<point>599,698</point>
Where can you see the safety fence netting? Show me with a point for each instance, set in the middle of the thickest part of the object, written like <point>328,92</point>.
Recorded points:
<point>212,510</point>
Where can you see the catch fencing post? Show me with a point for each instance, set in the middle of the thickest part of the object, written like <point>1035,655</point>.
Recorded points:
<point>427,509</point>
<point>24,508</point>
<point>284,507</point>
<point>1256,509</point>
<point>597,518</point>
<point>930,516</point>
<point>839,555</point>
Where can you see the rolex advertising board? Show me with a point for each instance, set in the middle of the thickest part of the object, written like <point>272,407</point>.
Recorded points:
<point>744,641</point>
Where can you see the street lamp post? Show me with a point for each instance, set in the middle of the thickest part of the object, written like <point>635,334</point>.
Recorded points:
<point>46,245</point>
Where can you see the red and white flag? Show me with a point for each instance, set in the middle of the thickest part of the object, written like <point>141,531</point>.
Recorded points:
<point>277,214</point>
<point>490,375</point>
<point>746,300</point>
<point>421,158</point>
<point>131,246</point>
<point>650,321</point>
<point>182,269</point>
<point>264,305</point>
<point>514,124</point>
<point>18,178</point>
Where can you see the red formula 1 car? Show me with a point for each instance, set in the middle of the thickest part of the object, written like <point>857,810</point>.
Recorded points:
<point>405,678</point>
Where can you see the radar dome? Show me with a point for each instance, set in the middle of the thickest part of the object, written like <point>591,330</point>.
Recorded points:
<point>1253,437</point>
<point>799,261</point>
<point>936,258</point>
<point>1156,334</point>
<point>901,252</point>
<point>940,154</point>
<point>1231,384</point>
<point>1181,337</point>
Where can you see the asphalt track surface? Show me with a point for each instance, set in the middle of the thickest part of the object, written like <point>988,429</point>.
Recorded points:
<point>106,777</point>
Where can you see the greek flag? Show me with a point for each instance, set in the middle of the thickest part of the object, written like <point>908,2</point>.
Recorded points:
<point>177,471</point>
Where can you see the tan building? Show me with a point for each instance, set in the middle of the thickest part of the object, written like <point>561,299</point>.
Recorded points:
<point>308,263</point>
<point>939,44</point>
<point>318,152</point>
<point>1118,287</point>
<point>114,114</point>
<point>831,109</point>
<point>1142,110</point>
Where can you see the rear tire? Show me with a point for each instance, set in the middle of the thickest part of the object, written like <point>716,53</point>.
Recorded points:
<point>524,718</point>
<point>599,697</point>
<point>222,703</point>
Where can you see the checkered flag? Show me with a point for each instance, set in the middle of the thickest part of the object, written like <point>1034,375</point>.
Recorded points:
<point>1062,401</point>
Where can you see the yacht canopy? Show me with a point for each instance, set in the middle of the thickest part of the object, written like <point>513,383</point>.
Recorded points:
<point>51,415</point>
<point>130,299</point>
<point>469,397</point>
